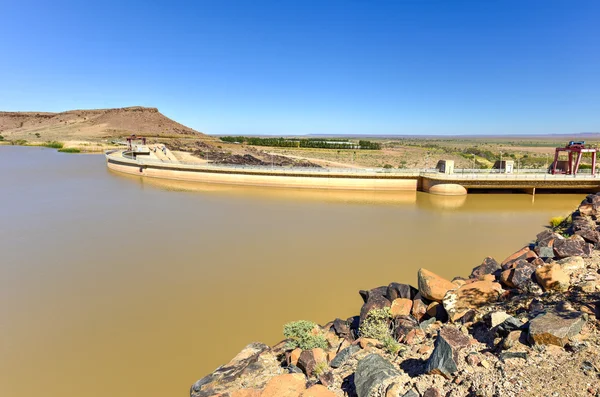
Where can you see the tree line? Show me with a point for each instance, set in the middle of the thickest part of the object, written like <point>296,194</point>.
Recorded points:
<point>304,143</point>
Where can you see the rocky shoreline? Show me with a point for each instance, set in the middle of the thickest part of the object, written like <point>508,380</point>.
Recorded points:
<point>524,326</point>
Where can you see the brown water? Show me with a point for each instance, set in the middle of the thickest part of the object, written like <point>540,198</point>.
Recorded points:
<point>116,286</point>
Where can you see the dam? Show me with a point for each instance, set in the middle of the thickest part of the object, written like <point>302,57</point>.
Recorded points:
<point>152,163</point>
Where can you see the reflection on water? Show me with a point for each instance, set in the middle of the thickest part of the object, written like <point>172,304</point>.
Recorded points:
<point>111,285</point>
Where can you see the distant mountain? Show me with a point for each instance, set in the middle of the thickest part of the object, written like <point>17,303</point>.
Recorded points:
<point>91,124</point>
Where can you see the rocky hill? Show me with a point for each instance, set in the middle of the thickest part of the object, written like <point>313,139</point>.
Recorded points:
<point>90,125</point>
<point>526,326</point>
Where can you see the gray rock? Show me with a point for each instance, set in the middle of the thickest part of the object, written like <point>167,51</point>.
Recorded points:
<point>397,290</point>
<point>507,326</point>
<point>371,374</point>
<point>546,252</point>
<point>507,355</point>
<point>572,247</point>
<point>444,358</point>
<point>343,356</point>
<point>555,327</point>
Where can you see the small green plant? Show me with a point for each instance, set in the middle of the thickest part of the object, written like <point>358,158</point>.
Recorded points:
<point>37,134</point>
<point>320,368</point>
<point>391,345</point>
<point>69,150</point>
<point>388,166</point>
<point>304,334</point>
<point>54,145</point>
<point>19,142</point>
<point>376,325</point>
<point>1,138</point>
<point>556,221</point>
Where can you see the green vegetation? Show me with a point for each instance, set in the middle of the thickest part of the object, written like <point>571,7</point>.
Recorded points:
<point>304,334</point>
<point>1,138</point>
<point>69,150</point>
<point>391,345</point>
<point>318,143</point>
<point>556,221</point>
<point>320,368</point>
<point>388,166</point>
<point>376,325</point>
<point>54,145</point>
<point>37,134</point>
<point>19,142</point>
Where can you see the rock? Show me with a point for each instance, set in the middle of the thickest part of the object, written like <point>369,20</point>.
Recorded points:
<point>571,264</point>
<point>403,325</point>
<point>309,359</point>
<point>414,337</point>
<point>488,266</point>
<point>366,342</point>
<point>506,278</point>
<point>252,367</point>
<point>497,318</point>
<point>470,296</point>
<point>317,391</point>
<point>521,274</point>
<point>444,359</point>
<point>555,327</point>
<point>551,277</point>
<point>372,373</point>
<point>288,385</point>
<point>437,311</point>
<point>572,247</point>
<point>425,324</point>
<point>547,238</point>
<point>473,359</point>
<point>591,236</point>
<point>397,290</point>
<point>419,308</point>
<point>545,252</point>
<point>343,356</point>
<point>524,253</point>
<point>294,356</point>
<point>507,326</point>
<point>507,355</point>
<point>432,286</point>
<point>410,393</point>
<point>432,392</point>
<point>401,307</point>
<point>374,299</point>
<point>342,329</point>
<point>514,338</point>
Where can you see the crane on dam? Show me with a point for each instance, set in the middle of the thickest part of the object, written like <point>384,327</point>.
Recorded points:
<point>575,151</point>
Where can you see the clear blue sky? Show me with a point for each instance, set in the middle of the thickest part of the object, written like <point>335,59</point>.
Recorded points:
<point>302,67</point>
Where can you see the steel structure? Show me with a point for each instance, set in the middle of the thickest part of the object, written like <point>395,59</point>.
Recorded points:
<point>573,147</point>
<point>131,140</point>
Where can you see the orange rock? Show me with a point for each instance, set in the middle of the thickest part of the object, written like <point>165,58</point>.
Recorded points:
<point>288,385</point>
<point>470,296</point>
<point>523,253</point>
<point>319,355</point>
<point>506,278</point>
<point>401,307</point>
<point>331,355</point>
<point>552,277</point>
<point>246,393</point>
<point>295,355</point>
<point>317,391</point>
<point>364,342</point>
<point>432,286</point>
<point>488,277</point>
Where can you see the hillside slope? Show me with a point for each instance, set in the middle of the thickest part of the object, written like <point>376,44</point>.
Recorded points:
<point>91,125</point>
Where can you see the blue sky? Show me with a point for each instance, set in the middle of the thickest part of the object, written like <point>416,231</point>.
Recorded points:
<point>312,67</point>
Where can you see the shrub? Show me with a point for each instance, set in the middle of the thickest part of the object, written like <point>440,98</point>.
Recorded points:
<point>320,368</point>
<point>37,134</point>
<point>69,150</point>
<point>388,166</point>
<point>54,145</point>
<point>19,142</point>
<point>377,324</point>
<point>302,334</point>
<point>1,138</point>
<point>556,221</point>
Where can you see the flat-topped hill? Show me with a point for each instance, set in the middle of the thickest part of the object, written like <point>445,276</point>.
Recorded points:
<point>91,124</point>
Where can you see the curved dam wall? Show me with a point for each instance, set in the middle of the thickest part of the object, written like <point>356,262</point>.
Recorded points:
<point>253,177</point>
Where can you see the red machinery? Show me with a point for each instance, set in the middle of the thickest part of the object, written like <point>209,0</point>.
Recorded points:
<point>132,139</point>
<point>577,148</point>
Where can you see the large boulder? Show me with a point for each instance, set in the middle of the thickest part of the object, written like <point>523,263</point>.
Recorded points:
<point>372,375</point>
<point>250,368</point>
<point>419,307</point>
<point>374,299</point>
<point>342,329</point>
<point>470,296</point>
<point>591,236</point>
<point>288,385</point>
<point>488,266</point>
<point>552,277</point>
<point>444,358</point>
<point>403,325</point>
<point>572,247</point>
<point>317,391</point>
<point>555,327</point>
<point>432,286</point>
